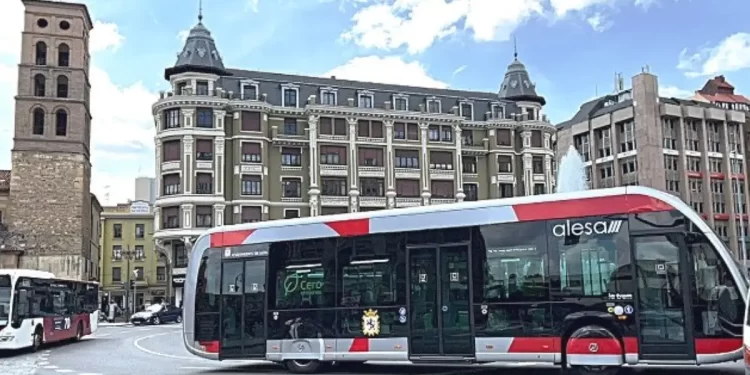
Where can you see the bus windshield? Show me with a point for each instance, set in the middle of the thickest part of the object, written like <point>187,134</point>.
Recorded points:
<point>5,291</point>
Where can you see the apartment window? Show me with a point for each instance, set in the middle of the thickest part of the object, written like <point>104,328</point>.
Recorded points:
<point>290,126</point>
<point>328,97</point>
<point>407,188</point>
<point>372,187</point>
<point>446,134</point>
<point>504,164</point>
<point>40,85</point>
<point>204,183</point>
<point>204,150</point>
<point>250,121</point>
<point>504,137</point>
<point>407,159</point>
<point>171,119</point>
<point>714,137</point>
<point>733,131</point>
<point>161,273</point>
<point>171,150</point>
<point>669,132</point>
<point>433,133</point>
<point>537,164</point>
<point>603,142</point>
<point>291,187</point>
<point>469,164</point>
<point>38,128</point>
<point>139,276</point>
<point>289,98</point>
<point>170,217</point>
<point>333,155</point>
<point>291,156</point>
<point>536,139</point>
<point>251,185</point>
<point>399,130</point>
<point>715,165</point>
<point>433,106</point>
<point>333,186</point>
<point>441,189</point>
<point>694,164</point>
<point>251,214</point>
<point>61,122</point>
<point>181,89</point>
<point>249,91</point>
<point>117,252</point>
<point>370,129</point>
<point>41,53</point>
<point>506,190</point>
<point>117,230</point>
<point>291,213</point>
<point>205,118</point>
<point>366,100</point>
<point>171,184</point>
<point>627,136</point>
<point>332,126</point>
<point>692,136</point>
<point>467,111</point>
<point>582,145</point>
<point>467,137</point>
<point>251,152</point>
<point>62,86</point>
<point>539,189</point>
<point>400,103</point>
<point>201,88</point>
<point>370,157</point>
<point>140,230</point>
<point>140,254</point>
<point>441,160</point>
<point>670,163</point>
<point>471,192</point>
<point>498,111</point>
<point>116,274</point>
<point>204,216</point>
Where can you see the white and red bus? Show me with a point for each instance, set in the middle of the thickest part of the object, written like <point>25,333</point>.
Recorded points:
<point>37,308</point>
<point>592,280</point>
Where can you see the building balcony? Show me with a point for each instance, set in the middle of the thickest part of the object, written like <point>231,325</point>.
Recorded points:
<point>371,201</point>
<point>334,170</point>
<point>178,233</point>
<point>408,173</point>
<point>192,198</point>
<point>442,200</point>
<point>408,202</point>
<point>378,172</point>
<point>204,164</point>
<point>169,166</point>
<point>334,201</point>
<point>442,174</point>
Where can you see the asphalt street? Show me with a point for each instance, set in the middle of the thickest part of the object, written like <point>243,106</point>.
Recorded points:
<point>159,350</point>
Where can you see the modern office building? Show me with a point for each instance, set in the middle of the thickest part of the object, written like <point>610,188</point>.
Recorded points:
<point>128,254</point>
<point>692,149</point>
<point>145,189</point>
<point>240,146</point>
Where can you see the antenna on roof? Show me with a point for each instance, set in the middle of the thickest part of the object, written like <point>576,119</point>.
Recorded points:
<point>200,11</point>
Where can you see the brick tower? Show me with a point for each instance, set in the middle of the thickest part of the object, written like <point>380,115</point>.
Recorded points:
<point>50,195</point>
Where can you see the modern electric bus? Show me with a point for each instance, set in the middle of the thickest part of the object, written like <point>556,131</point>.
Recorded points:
<point>37,308</point>
<point>591,280</point>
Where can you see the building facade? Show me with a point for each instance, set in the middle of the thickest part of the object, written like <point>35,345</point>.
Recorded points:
<point>238,146</point>
<point>692,149</point>
<point>128,253</point>
<point>51,205</point>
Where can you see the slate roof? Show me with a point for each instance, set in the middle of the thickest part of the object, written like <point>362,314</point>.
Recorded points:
<point>199,54</point>
<point>517,85</point>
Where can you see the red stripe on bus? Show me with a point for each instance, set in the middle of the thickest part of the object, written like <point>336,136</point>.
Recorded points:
<point>233,238</point>
<point>593,345</point>
<point>210,346</point>
<point>717,346</point>
<point>533,345</point>
<point>618,204</point>
<point>631,345</point>
<point>360,344</point>
<point>350,228</point>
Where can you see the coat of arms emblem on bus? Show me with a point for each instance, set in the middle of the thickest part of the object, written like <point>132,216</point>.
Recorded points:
<point>371,323</point>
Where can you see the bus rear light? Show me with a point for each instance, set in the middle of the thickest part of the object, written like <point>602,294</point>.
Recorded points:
<point>209,346</point>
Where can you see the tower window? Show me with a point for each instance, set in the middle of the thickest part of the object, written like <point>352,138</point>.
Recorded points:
<point>61,124</point>
<point>41,53</point>
<point>63,55</point>
<point>62,86</point>
<point>39,85</point>
<point>64,25</point>
<point>38,121</point>
<point>42,23</point>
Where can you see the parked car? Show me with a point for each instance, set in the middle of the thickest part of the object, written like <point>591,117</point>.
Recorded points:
<point>157,314</point>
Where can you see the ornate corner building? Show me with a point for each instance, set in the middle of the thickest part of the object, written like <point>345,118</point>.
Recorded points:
<point>50,202</point>
<point>236,146</point>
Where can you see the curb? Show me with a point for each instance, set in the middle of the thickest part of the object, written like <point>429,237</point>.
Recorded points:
<point>114,324</point>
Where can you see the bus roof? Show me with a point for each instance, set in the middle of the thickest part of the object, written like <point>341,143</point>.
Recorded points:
<point>20,272</point>
<point>620,200</point>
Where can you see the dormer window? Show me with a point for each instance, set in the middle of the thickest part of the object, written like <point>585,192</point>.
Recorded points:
<point>400,102</point>
<point>181,88</point>
<point>466,110</point>
<point>433,105</point>
<point>289,96</point>
<point>498,111</point>
<point>328,96</point>
<point>249,90</point>
<point>366,99</point>
<point>201,88</point>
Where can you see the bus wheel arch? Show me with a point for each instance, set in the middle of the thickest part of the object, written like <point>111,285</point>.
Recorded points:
<point>37,338</point>
<point>298,366</point>
<point>591,326</point>
<point>79,332</point>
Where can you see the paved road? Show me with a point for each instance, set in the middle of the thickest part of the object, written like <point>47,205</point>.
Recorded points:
<point>159,350</point>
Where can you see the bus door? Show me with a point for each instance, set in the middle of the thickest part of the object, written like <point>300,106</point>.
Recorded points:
<point>243,299</point>
<point>662,275</point>
<point>439,304</point>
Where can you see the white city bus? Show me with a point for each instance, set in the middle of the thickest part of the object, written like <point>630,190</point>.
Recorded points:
<point>37,308</point>
<point>592,280</point>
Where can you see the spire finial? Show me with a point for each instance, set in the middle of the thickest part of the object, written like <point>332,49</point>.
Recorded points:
<point>200,11</point>
<point>515,48</point>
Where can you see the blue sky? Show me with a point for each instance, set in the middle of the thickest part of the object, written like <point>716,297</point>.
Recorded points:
<point>573,48</point>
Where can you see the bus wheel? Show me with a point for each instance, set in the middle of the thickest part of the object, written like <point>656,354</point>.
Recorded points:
<point>594,370</point>
<point>79,332</point>
<point>300,366</point>
<point>36,339</point>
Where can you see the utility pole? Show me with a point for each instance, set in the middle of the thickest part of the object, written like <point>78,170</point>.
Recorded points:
<point>135,287</point>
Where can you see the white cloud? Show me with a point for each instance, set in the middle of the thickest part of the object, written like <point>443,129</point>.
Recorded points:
<point>389,69</point>
<point>105,36</point>
<point>459,70</point>
<point>599,22</point>
<point>674,92</point>
<point>731,54</point>
<point>182,35</point>
<point>252,5</point>
<point>563,7</point>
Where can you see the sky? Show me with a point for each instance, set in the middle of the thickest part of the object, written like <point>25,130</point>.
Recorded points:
<point>572,48</point>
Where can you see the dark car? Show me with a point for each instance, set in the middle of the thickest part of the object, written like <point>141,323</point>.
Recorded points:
<point>157,314</point>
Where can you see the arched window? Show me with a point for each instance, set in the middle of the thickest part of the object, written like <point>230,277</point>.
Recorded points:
<point>63,55</point>
<point>40,85</point>
<point>61,122</point>
<point>41,53</point>
<point>62,86</point>
<point>38,123</point>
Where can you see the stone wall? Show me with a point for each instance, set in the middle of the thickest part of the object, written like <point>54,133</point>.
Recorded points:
<point>63,266</point>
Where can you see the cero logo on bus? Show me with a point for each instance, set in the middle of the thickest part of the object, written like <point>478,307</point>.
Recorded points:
<point>586,229</point>
<point>301,281</point>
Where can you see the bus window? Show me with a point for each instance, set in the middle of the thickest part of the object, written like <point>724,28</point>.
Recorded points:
<point>5,291</point>
<point>302,274</point>
<point>372,272</point>
<point>207,293</point>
